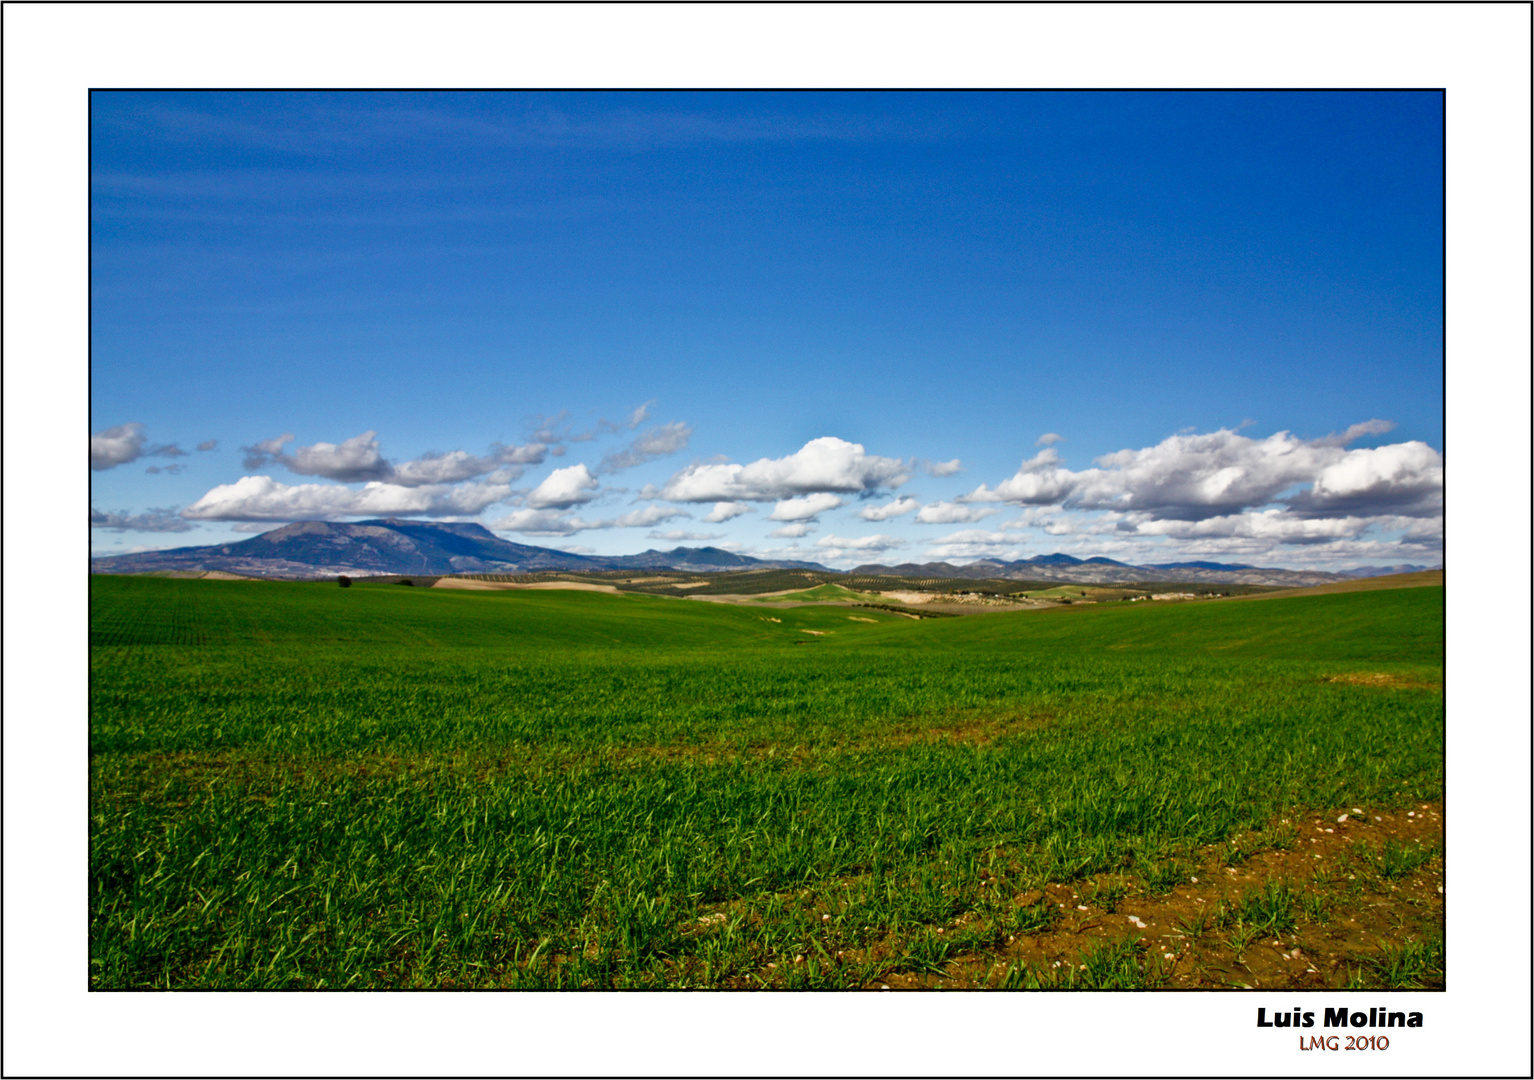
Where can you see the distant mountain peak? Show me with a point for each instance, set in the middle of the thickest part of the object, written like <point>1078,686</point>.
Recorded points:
<point>407,546</point>
<point>309,549</point>
<point>459,528</point>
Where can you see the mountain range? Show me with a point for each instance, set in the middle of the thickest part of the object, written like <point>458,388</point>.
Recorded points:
<point>393,546</point>
<point>310,549</point>
<point>1105,571</point>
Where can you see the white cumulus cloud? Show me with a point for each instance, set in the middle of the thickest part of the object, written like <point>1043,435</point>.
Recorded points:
<point>947,513</point>
<point>544,523</point>
<point>1197,476</point>
<point>649,515</point>
<point>260,498</point>
<point>1189,477</point>
<point>1039,481</point>
<point>1276,526</point>
<point>449,468</point>
<point>1405,478</point>
<point>116,446</point>
<point>550,522</point>
<point>356,459</point>
<point>903,505</point>
<point>877,542</point>
<point>978,536</point>
<point>724,511</point>
<point>823,465</point>
<point>564,488</point>
<point>360,458</point>
<point>976,544</point>
<point>805,509</point>
<point>796,529</point>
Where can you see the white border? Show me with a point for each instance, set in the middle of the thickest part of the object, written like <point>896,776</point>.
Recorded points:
<point>1480,53</point>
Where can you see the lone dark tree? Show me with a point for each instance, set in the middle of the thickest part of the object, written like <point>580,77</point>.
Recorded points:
<point>344,581</point>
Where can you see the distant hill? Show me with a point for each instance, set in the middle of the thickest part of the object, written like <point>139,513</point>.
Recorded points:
<point>696,560</point>
<point>1381,571</point>
<point>1104,571</point>
<point>393,546</point>
<point>1361,583</point>
<point>311,549</point>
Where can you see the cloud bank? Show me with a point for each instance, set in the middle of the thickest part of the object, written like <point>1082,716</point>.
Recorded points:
<point>1193,477</point>
<point>260,498</point>
<point>360,459</point>
<point>823,465</point>
<point>859,545</point>
<point>946,513</point>
<point>156,519</point>
<point>903,505</point>
<point>1191,495</point>
<point>679,534</point>
<point>1224,494</point>
<point>549,522</point>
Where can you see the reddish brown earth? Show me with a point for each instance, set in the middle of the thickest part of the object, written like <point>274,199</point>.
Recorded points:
<point>1355,915</point>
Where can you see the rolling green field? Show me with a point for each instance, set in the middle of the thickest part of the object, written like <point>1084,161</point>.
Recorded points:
<point>300,786</point>
<point>822,593</point>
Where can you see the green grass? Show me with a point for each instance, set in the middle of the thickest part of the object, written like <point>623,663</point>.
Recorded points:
<point>1270,909</point>
<point>1069,592</point>
<point>1123,964</point>
<point>821,594</point>
<point>1394,860</point>
<point>1407,965</point>
<point>1163,874</point>
<point>300,786</point>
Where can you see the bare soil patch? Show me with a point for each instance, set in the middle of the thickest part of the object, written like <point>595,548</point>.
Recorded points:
<point>1339,905</point>
<point>1384,680</point>
<point>979,728</point>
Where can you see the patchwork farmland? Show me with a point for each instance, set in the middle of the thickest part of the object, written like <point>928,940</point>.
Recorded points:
<point>295,785</point>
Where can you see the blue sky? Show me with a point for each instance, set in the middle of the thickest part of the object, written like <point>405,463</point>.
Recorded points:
<point>841,327</point>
